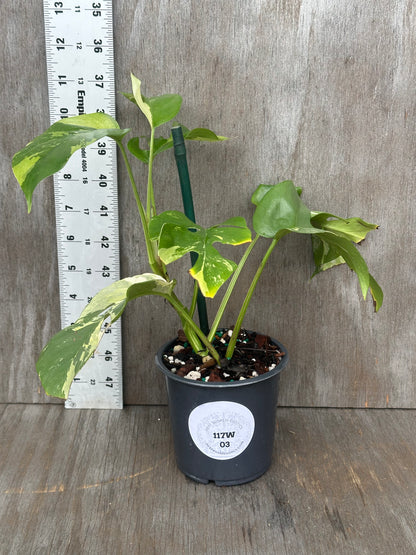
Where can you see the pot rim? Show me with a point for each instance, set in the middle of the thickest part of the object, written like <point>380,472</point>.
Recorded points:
<point>240,383</point>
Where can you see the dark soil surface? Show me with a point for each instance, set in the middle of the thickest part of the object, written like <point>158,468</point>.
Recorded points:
<point>255,354</point>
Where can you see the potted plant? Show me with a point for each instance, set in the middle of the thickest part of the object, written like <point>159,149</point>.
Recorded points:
<point>222,384</point>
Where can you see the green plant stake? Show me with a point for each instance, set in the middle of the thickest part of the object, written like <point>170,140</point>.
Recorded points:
<point>179,150</point>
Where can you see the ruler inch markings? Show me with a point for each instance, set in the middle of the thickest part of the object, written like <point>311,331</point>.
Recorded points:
<point>79,48</point>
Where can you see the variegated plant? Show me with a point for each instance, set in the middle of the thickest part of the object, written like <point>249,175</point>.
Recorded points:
<point>170,235</point>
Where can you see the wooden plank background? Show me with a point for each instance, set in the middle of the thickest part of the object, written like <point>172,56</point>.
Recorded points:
<point>341,482</point>
<point>319,92</point>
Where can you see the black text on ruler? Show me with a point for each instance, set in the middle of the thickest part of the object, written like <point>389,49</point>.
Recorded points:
<point>79,51</point>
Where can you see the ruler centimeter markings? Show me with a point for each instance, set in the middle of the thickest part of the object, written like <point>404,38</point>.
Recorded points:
<point>80,65</point>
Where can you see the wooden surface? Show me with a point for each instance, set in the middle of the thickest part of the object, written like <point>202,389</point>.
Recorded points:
<point>75,482</point>
<point>322,93</point>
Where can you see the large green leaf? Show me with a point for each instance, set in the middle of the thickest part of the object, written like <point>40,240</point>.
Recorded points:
<point>279,208</point>
<point>68,351</point>
<point>49,152</point>
<point>157,109</point>
<point>178,235</point>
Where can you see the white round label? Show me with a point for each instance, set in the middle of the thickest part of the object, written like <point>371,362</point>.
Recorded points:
<point>222,429</point>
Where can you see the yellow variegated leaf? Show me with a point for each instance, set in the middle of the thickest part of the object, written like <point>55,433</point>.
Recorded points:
<point>68,350</point>
<point>49,152</point>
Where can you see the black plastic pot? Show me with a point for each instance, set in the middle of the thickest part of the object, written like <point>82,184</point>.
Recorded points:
<point>223,432</point>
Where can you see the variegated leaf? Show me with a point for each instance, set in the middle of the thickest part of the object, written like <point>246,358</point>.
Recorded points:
<point>49,152</point>
<point>157,109</point>
<point>178,235</point>
<point>67,352</point>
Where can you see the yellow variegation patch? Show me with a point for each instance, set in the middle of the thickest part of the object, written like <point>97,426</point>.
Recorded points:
<point>145,108</point>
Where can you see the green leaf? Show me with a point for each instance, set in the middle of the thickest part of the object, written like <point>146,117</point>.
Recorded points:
<point>169,217</point>
<point>49,152</point>
<point>377,293</point>
<point>200,134</point>
<point>134,147</point>
<point>160,145</point>
<point>203,134</point>
<point>163,108</point>
<point>279,208</point>
<point>329,251</point>
<point>68,351</point>
<point>337,246</point>
<point>354,229</point>
<point>324,255</point>
<point>263,189</point>
<point>178,235</point>
<point>157,109</point>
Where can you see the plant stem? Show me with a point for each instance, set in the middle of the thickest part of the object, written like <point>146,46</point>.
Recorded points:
<point>150,205</point>
<point>194,299</point>
<point>237,327</point>
<point>156,268</point>
<point>230,288</point>
<point>184,315</point>
<point>194,341</point>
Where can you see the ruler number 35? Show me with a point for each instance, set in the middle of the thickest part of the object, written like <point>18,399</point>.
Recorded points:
<point>96,8</point>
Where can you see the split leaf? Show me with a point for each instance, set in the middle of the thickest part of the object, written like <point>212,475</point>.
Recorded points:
<point>178,235</point>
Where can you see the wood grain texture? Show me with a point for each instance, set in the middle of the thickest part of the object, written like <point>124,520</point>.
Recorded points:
<point>341,482</point>
<point>322,93</point>
<point>29,302</point>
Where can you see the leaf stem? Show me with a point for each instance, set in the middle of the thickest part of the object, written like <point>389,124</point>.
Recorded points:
<point>231,346</point>
<point>230,289</point>
<point>156,268</point>
<point>194,299</point>
<point>185,317</point>
<point>150,204</point>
